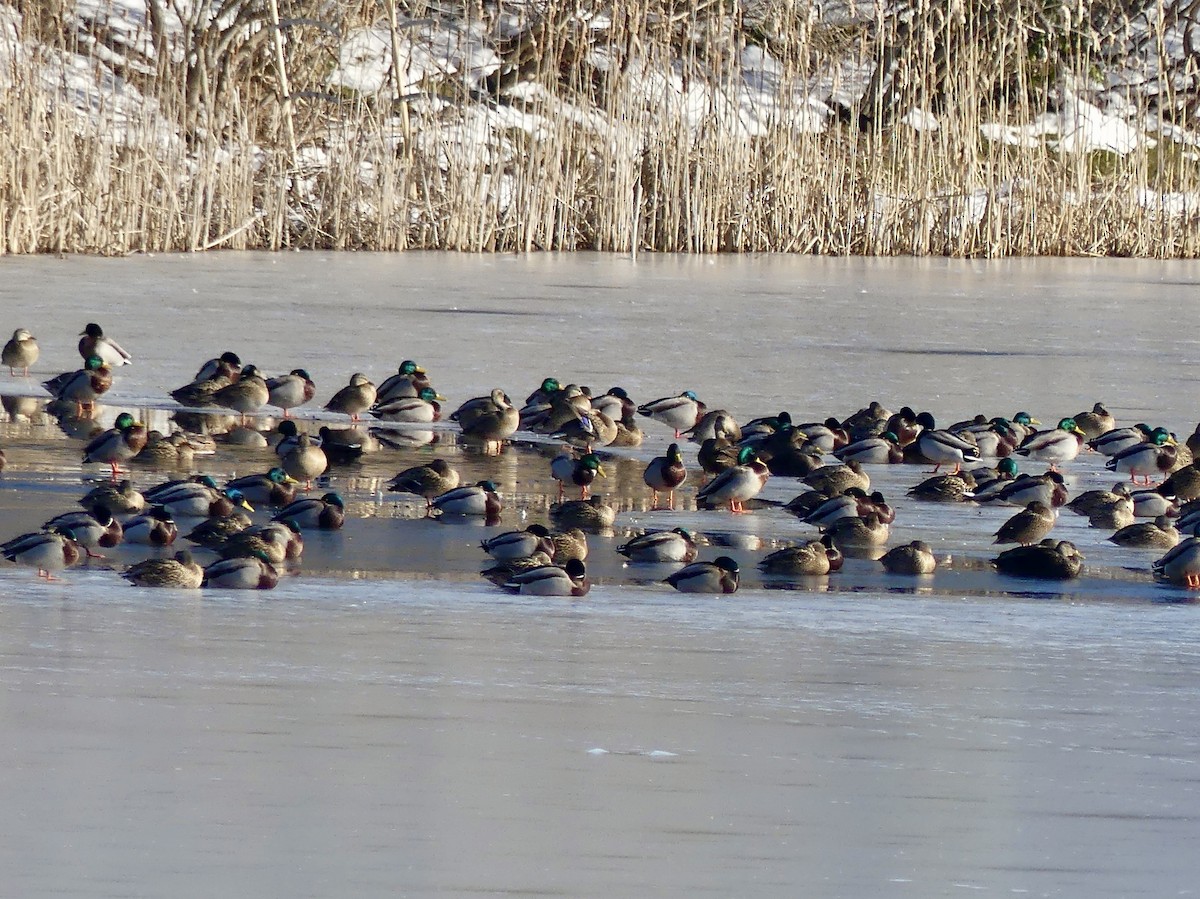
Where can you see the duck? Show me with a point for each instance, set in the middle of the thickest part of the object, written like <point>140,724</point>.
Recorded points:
<point>490,419</point>
<point>274,542</point>
<point>1049,487</point>
<point>942,447</point>
<point>571,543</point>
<point>118,444</point>
<point>1158,534</point>
<point>997,441</point>
<point>199,392</point>
<point>804,503</point>
<point>629,433</point>
<point>1152,502</point>
<point>550,580</point>
<point>736,485</point>
<point>902,425</point>
<point>205,503</point>
<point>97,529</point>
<point>479,498</point>
<point>1183,483</point>
<point>566,468</point>
<point>825,436</point>
<point>356,397</point>
<point>228,362</point>
<point>616,404</point>
<point>717,455</point>
<point>1096,422</point>
<point>288,391</point>
<point>327,513</point>
<point>945,488</point>
<point>914,558</point>
<point>1028,526</point>
<point>1050,560</point>
<point>1117,439</point>
<point>859,531</point>
<point>275,487</point>
<point>119,498</point>
<point>165,451</point>
<point>211,533</point>
<point>1091,501</point>
<point>1155,457</point>
<point>1180,564</point>
<point>870,420</point>
<point>718,576</point>
<point>408,382</point>
<point>342,446</point>
<point>838,478</point>
<point>180,572</point>
<point>519,544</point>
<point>989,482</point>
<point>47,551</point>
<point>93,342</point>
<point>423,408</point>
<point>428,480</point>
<point>1116,515</point>
<point>676,545</point>
<point>304,460</point>
<point>246,396</point>
<point>591,514</point>
<point>882,450</point>
<point>546,391</point>
<point>82,387</point>
<point>21,352</point>
<point>502,572</point>
<point>851,501</point>
<point>807,559</point>
<point>665,474</point>
<point>587,429</point>
<point>787,455</point>
<point>241,573</point>
<point>154,527</point>
<point>678,412</point>
<point>714,423</point>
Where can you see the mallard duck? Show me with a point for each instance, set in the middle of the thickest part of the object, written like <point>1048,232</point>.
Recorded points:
<point>180,572</point>
<point>428,480</point>
<point>851,501</point>
<point>942,447</point>
<point>327,513</point>
<point>241,573</point>
<point>271,542</point>
<point>945,488</point>
<point>717,455</point>
<point>665,473</point>
<point>1028,526</point>
<point>479,498</point>
<point>807,559</point>
<point>802,504</point>
<point>591,514</point>
<point>274,488</point>
<point>736,485</point>
<point>825,436</point>
<point>1093,424</point>
<point>1157,534</point>
<point>155,527</point>
<point>205,503</point>
<point>519,544</point>
<point>677,545</point>
<point>915,558</point>
<point>1180,565</point>
<point>1116,515</point>
<point>1051,559</point>
<point>93,342</point>
<point>1153,502</point>
<point>118,444</point>
<point>408,381</point>
<point>989,482</point>
<point>562,408</point>
<point>212,533</point>
<point>586,430</point>
<point>304,460</point>
<point>838,478</point>
<point>678,412</point>
<point>92,530</point>
<point>228,362</point>
<point>903,425</point>
<point>859,531</point>
<point>628,432</point>
<point>616,404</point>
<point>488,419</point>
<point>47,551</point>
<point>1114,441</point>
<point>581,472</point>
<point>997,441</point>
<point>714,423</point>
<point>20,352</point>
<point>1049,487</point>
<point>288,391</point>
<point>718,576</point>
<point>788,458</point>
<point>1183,483</point>
<point>178,486</point>
<point>502,572</point>
<point>82,387</point>
<point>214,375</point>
<point>571,543</point>
<point>870,420</point>
<point>550,580</point>
<point>1091,501</point>
<point>356,397</point>
<point>545,392</point>
<point>246,396</point>
<point>1157,456</point>
<point>120,499</point>
<point>882,450</point>
<point>344,446</point>
<point>165,451</point>
<point>420,409</point>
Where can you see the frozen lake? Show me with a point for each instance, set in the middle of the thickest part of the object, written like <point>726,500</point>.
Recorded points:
<point>365,729</point>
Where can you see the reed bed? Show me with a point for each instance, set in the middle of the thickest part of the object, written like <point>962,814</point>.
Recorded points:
<point>627,126</point>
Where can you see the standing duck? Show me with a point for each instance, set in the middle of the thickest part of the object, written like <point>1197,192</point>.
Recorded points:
<point>490,419</point>
<point>1061,444</point>
<point>678,412</point>
<point>1180,565</point>
<point>355,398</point>
<point>304,460</point>
<point>47,551</point>
<point>20,352</point>
<point>736,485</point>
<point>581,472</point>
<point>942,447</point>
<point>1098,421</point>
<point>246,395</point>
<point>1156,457</point>
<point>288,391</point>
<point>718,576</point>
<point>93,342</point>
<point>118,444</point>
<point>84,386</point>
<point>665,474</point>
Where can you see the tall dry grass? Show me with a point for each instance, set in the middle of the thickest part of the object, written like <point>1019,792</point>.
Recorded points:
<point>611,127</point>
